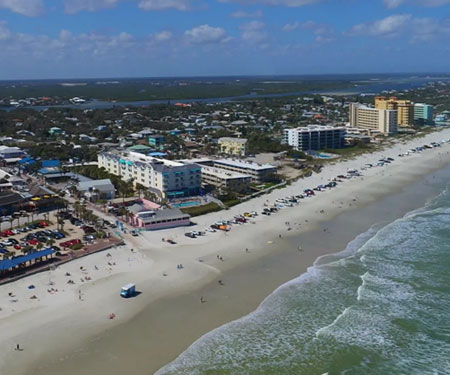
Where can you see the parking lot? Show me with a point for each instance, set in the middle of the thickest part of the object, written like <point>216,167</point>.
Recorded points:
<point>44,234</point>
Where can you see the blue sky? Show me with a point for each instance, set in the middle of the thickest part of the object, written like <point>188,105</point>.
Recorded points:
<point>135,38</point>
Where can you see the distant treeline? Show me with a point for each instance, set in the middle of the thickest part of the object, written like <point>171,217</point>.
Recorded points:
<point>142,90</point>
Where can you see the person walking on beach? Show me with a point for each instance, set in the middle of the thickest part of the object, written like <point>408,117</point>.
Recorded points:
<point>18,347</point>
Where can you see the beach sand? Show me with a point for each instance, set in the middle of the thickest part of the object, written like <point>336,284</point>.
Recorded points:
<point>62,334</point>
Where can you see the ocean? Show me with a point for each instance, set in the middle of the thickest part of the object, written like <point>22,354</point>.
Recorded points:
<point>381,306</point>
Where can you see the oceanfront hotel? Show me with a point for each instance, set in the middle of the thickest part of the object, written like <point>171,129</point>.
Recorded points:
<point>315,137</point>
<point>166,178</point>
<point>384,121</point>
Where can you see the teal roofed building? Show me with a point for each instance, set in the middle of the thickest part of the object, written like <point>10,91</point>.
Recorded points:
<point>56,131</point>
<point>156,140</point>
<point>142,149</point>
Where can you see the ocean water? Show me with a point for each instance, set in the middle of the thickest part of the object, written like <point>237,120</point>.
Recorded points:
<point>381,306</point>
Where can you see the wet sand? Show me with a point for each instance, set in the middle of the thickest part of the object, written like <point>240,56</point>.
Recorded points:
<point>166,327</point>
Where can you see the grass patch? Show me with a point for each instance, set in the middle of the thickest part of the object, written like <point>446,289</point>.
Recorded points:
<point>201,210</point>
<point>231,202</point>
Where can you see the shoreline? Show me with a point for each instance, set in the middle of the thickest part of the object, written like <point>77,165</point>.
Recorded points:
<point>179,291</point>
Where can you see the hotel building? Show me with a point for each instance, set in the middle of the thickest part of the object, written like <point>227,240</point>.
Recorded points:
<point>315,137</point>
<point>405,109</point>
<point>166,178</point>
<point>258,172</point>
<point>423,112</point>
<point>220,178</point>
<point>384,121</point>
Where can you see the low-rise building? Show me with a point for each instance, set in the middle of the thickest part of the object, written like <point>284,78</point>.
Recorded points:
<point>156,140</point>
<point>160,219</point>
<point>258,172</point>
<point>166,178</point>
<point>223,179</point>
<point>97,189</point>
<point>315,137</point>
<point>10,153</point>
<point>233,146</point>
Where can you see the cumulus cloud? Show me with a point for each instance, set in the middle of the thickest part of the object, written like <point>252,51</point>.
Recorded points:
<point>181,5</point>
<point>244,14</point>
<point>286,3</point>
<point>389,26</point>
<point>163,36</point>
<point>392,4</point>
<point>415,29</point>
<point>254,32</point>
<point>75,6</point>
<point>324,33</point>
<point>29,8</point>
<point>205,34</point>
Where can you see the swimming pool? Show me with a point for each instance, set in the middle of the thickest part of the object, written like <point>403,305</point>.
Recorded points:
<point>186,204</point>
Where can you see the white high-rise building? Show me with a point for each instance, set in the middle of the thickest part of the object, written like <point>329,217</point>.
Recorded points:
<point>315,137</point>
<point>384,121</point>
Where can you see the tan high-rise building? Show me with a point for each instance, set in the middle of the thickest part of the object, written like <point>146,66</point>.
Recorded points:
<point>404,107</point>
<point>373,119</point>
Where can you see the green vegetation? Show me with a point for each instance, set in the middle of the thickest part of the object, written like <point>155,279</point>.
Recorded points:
<point>231,202</point>
<point>77,246</point>
<point>201,210</point>
<point>166,89</point>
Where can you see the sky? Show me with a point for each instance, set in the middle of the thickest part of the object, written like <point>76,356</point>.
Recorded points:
<point>42,39</point>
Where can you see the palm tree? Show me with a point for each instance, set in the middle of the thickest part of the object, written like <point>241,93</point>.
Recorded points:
<point>39,246</point>
<point>11,221</point>
<point>27,249</point>
<point>50,242</point>
<point>140,188</point>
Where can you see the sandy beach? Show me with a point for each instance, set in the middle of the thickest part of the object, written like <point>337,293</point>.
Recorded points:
<point>68,324</point>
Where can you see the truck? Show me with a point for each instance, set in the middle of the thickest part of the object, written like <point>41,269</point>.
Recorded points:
<point>128,291</point>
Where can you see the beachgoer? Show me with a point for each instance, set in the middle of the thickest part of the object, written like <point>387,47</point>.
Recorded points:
<point>17,347</point>
<point>246,249</point>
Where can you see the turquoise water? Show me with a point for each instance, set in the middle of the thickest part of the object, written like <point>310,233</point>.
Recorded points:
<point>382,306</point>
<point>187,204</point>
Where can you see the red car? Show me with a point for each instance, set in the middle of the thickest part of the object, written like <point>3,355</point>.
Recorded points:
<point>7,233</point>
<point>17,247</point>
<point>43,224</point>
<point>33,241</point>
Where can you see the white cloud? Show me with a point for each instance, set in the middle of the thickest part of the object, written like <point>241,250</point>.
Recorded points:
<point>29,8</point>
<point>392,4</point>
<point>205,34</point>
<point>181,5</point>
<point>389,26</point>
<point>254,32</point>
<point>163,36</point>
<point>324,33</point>
<point>415,29</point>
<point>286,3</point>
<point>244,14</point>
<point>75,6</point>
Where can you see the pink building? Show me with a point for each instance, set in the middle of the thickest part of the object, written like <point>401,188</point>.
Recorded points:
<point>157,219</point>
